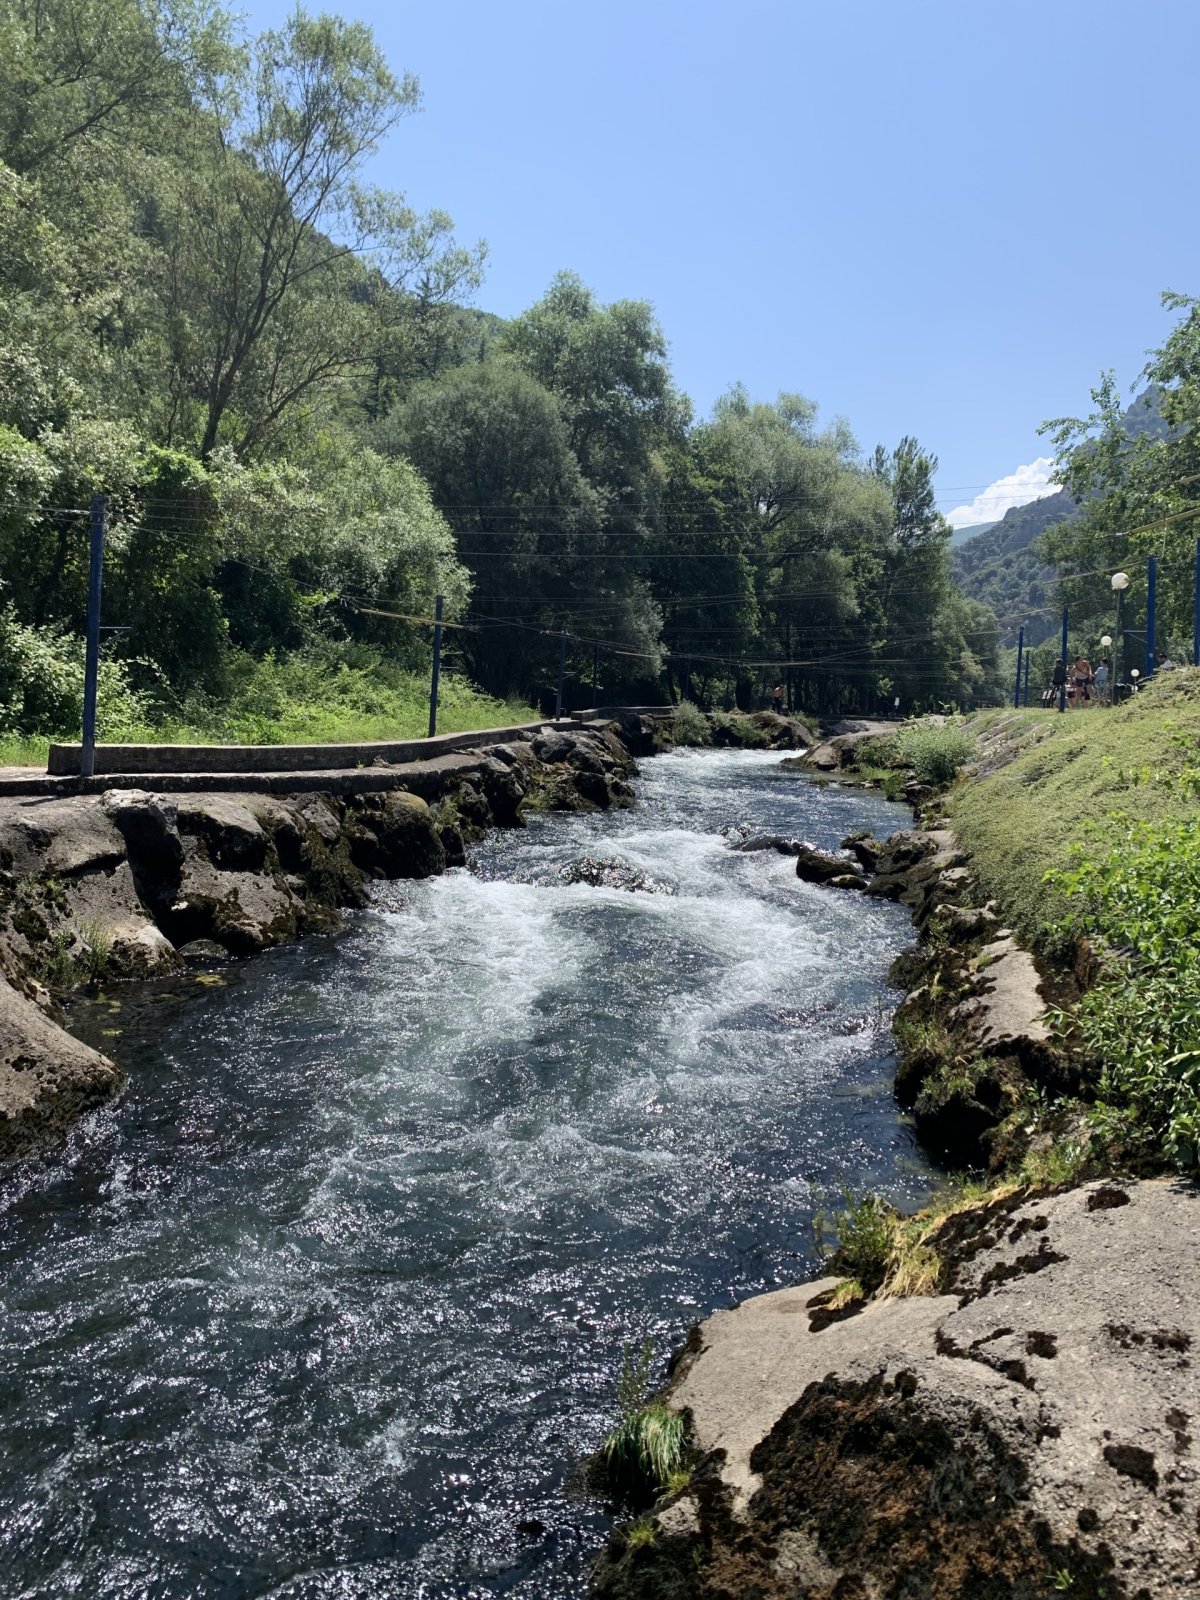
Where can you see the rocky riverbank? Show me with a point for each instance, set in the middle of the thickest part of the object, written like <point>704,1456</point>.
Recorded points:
<point>995,1399</point>
<point>128,883</point>
<point>1024,1431</point>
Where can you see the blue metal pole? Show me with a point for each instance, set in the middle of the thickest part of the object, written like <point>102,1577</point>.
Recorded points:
<point>437,665</point>
<point>1020,655</point>
<point>1062,693</point>
<point>1151,603</point>
<point>1196,616</point>
<point>91,667</point>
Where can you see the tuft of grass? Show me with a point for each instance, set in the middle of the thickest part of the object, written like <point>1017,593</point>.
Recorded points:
<point>863,1228</point>
<point>640,1455</point>
<point>641,1533</point>
<point>847,1293</point>
<point>638,1459</point>
<point>91,962</point>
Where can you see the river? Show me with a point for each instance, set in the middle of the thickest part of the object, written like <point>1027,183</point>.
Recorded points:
<point>334,1301</point>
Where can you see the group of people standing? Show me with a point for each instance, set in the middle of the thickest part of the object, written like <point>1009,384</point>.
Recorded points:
<point>1083,684</point>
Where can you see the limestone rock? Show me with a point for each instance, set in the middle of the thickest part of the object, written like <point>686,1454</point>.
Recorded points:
<point>821,866</point>
<point>243,911</point>
<point>397,837</point>
<point>234,839</point>
<point>149,825</point>
<point>47,1078</point>
<point>1029,1431</point>
<point>58,838</point>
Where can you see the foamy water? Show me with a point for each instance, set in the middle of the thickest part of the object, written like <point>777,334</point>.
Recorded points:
<point>335,1299</point>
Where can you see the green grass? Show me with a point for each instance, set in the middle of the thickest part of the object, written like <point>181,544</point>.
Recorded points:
<point>1060,773</point>
<point>340,707</point>
<point>24,750</point>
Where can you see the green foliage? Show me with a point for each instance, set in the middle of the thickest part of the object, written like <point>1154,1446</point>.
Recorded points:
<point>96,942</point>
<point>209,315</point>
<point>689,725</point>
<point>741,731</point>
<point>864,1229</point>
<point>1057,774</point>
<point>935,754</point>
<point>640,1533</point>
<point>639,1458</point>
<point>1140,1024</point>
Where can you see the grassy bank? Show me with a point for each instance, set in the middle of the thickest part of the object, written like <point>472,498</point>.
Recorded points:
<point>293,704</point>
<point>1057,781</point>
<point>1084,828</point>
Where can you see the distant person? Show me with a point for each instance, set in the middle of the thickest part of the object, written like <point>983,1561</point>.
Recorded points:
<point>1058,683</point>
<point>1165,664</point>
<point>1081,681</point>
<point>777,697</point>
<point>1100,680</point>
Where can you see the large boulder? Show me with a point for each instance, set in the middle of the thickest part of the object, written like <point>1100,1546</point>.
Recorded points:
<point>149,825</point>
<point>234,839</point>
<point>243,911</point>
<point>395,835</point>
<point>58,838</point>
<point>47,1078</point>
<point>1024,1430</point>
<point>822,866</point>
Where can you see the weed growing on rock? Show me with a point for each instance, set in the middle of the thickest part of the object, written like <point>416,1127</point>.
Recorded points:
<point>639,1458</point>
<point>864,1230</point>
<point>92,961</point>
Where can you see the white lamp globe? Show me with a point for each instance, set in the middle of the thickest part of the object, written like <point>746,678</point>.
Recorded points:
<point>1120,580</point>
<point>1105,641</point>
<point>1134,673</point>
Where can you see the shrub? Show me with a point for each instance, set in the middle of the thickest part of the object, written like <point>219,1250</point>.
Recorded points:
<point>1140,1025</point>
<point>935,754</point>
<point>740,730</point>
<point>690,725</point>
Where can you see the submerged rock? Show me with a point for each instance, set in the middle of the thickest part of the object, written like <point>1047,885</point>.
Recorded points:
<point>768,841</point>
<point>612,874</point>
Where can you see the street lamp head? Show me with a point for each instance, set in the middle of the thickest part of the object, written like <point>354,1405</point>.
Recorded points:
<point>1106,641</point>
<point>1120,580</point>
<point>1134,673</point>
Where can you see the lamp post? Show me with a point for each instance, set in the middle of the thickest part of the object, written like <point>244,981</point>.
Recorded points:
<point>1106,644</point>
<point>1120,582</point>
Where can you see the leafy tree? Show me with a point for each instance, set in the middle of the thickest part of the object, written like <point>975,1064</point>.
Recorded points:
<point>285,271</point>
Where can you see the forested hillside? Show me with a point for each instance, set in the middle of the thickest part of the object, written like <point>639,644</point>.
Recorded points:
<point>269,367</point>
<point>1004,569</point>
<point>1010,568</point>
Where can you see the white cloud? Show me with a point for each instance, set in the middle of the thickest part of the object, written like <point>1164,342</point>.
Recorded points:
<point>1017,488</point>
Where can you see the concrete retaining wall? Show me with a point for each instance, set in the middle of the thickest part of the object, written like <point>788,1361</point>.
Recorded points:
<point>278,758</point>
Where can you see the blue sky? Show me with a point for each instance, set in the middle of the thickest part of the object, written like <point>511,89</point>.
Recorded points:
<point>932,218</point>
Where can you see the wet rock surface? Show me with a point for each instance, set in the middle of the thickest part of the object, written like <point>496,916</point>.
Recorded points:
<point>47,1078</point>
<point>1027,1432</point>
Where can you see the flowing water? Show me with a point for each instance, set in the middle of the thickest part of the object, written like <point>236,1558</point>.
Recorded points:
<point>335,1299</point>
